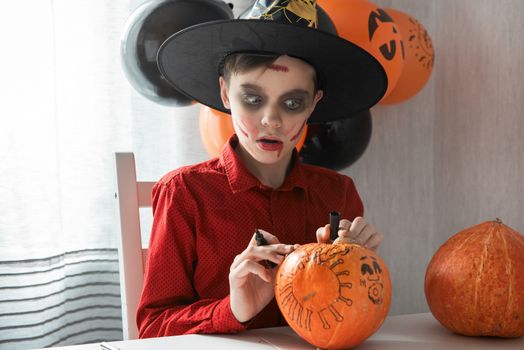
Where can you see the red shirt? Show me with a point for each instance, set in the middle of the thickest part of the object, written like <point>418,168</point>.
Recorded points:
<point>205,215</point>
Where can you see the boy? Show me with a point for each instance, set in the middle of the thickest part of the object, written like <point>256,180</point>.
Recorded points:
<point>204,271</point>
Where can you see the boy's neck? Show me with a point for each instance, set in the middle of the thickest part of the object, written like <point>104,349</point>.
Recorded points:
<point>271,175</point>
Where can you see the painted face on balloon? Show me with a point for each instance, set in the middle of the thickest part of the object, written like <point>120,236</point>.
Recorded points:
<point>270,107</point>
<point>420,42</point>
<point>381,26</point>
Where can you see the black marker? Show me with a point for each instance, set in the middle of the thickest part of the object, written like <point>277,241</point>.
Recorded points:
<point>259,237</point>
<point>334,220</point>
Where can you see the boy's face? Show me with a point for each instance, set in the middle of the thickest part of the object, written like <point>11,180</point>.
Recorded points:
<point>270,107</point>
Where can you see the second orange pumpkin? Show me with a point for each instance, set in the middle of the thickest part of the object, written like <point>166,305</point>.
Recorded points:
<point>475,281</point>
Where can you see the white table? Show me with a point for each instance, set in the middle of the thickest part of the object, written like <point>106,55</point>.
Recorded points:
<point>404,332</point>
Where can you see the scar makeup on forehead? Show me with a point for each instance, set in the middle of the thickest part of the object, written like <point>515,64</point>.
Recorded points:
<point>278,68</point>
<point>299,132</point>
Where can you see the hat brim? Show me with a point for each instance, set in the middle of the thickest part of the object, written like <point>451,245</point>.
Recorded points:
<point>352,79</point>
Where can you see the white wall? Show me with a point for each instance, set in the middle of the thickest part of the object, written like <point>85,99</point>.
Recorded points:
<point>449,158</point>
<point>452,156</point>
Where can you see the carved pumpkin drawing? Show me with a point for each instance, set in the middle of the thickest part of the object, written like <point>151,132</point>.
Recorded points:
<point>216,128</point>
<point>370,27</point>
<point>475,281</point>
<point>333,295</point>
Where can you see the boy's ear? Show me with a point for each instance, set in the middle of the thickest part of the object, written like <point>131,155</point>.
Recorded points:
<point>318,96</point>
<point>223,92</point>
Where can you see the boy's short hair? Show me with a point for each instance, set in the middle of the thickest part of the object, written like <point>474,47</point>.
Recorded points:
<point>244,62</point>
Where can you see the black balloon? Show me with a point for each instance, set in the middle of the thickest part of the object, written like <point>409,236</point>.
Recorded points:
<point>338,144</point>
<point>324,21</point>
<point>147,28</point>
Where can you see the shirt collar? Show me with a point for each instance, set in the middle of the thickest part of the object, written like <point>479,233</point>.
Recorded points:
<point>240,179</point>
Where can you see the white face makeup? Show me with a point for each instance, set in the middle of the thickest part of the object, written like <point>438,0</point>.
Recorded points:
<point>270,107</point>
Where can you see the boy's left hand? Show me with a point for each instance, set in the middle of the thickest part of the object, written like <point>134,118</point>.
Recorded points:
<point>359,231</point>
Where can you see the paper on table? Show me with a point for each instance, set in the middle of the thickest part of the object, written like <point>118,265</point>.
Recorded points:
<point>281,338</point>
<point>260,339</point>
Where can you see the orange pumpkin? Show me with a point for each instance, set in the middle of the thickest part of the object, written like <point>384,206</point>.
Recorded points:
<point>333,295</point>
<point>475,281</point>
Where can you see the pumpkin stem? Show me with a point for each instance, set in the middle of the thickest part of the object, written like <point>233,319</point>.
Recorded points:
<point>498,221</point>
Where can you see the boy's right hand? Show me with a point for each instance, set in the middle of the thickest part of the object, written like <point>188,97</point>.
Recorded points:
<point>251,284</point>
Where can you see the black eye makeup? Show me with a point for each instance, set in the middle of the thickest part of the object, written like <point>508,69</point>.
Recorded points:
<point>294,104</point>
<point>294,101</point>
<point>251,99</point>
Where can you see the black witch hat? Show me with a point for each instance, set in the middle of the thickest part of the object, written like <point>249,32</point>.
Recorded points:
<point>351,78</point>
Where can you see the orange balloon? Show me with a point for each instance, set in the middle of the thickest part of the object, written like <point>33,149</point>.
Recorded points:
<point>216,128</point>
<point>371,28</point>
<point>419,58</point>
<point>302,139</point>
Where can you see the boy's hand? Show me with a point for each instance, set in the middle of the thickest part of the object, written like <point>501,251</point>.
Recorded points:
<point>251,285</point>
<point>358,231</point>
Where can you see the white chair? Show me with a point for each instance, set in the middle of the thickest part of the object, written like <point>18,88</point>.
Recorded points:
<point>132,195</point>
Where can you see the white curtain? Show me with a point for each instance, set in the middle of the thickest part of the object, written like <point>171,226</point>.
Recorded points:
<point>65,108</point>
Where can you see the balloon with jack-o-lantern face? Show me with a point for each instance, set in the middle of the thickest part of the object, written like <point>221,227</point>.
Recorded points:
<point>370,27</point>
<point>419,58</point>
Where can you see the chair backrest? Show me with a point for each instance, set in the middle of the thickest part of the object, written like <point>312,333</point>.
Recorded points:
<point>132,195</point>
